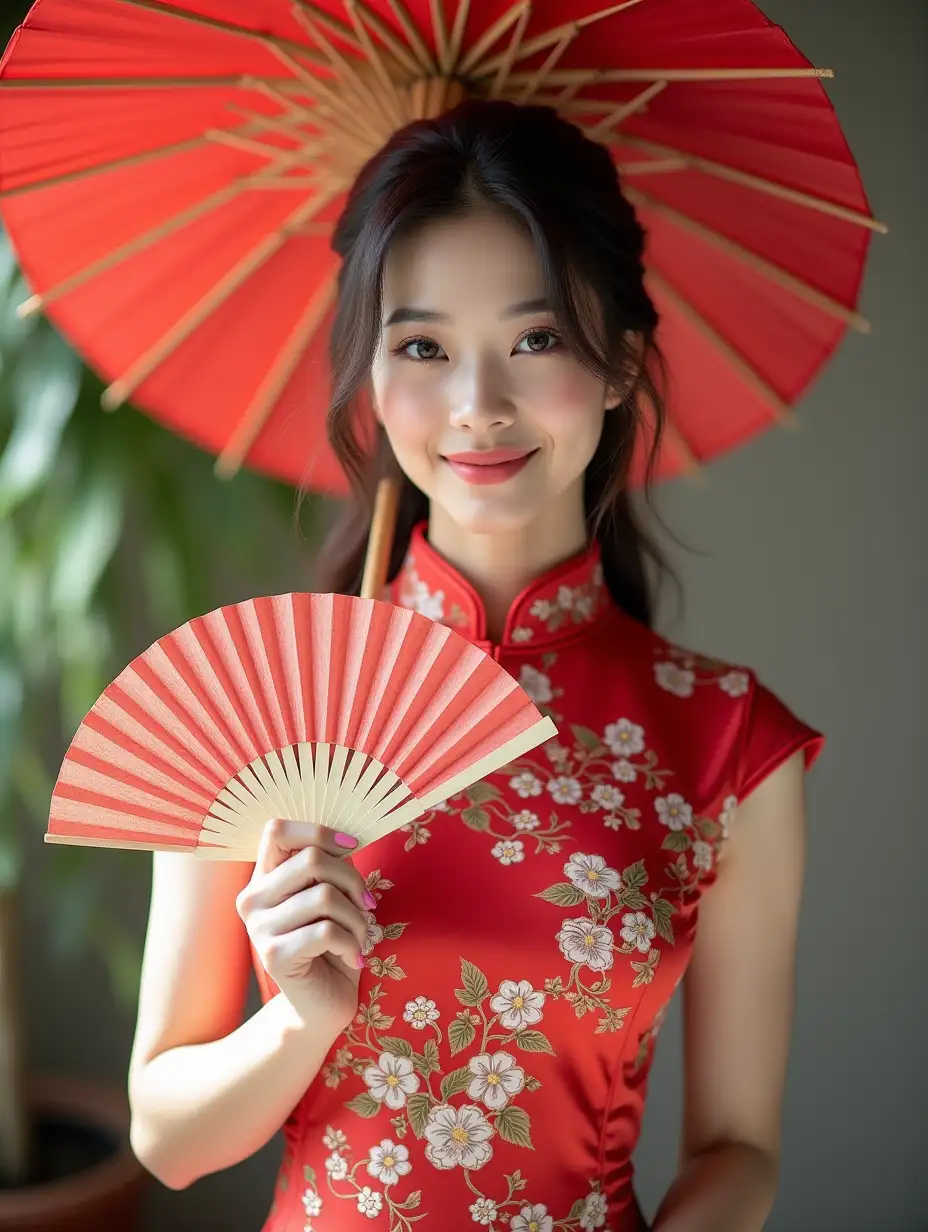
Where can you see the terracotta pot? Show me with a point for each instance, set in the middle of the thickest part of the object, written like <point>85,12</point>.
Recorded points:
<point>89,1180</point>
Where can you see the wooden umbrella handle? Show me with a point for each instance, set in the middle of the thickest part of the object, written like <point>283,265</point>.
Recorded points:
<point>380,543</point>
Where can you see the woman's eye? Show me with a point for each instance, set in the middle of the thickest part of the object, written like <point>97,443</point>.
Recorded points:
<point>538,341</point>
<point>421,348</point>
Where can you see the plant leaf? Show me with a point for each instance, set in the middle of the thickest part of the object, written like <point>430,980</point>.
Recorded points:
<point>455,1082</point>
<point>396,1045</point>
<point>44,392</point>
<point>534,1041</point>
<point>418,1106</point>
<point>461,1032</point>
<point>476,818</point>
<point>514,1125</point>
<point>364,1105</point>
<point>588,739</point>
<point>475,984</point>
<point>482,793</point>
<point>564,894</point>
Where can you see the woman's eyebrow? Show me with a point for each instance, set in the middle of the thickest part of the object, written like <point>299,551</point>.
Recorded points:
<point>405,316</point>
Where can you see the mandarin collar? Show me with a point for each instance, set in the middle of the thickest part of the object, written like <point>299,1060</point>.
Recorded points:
<point>553,608</point>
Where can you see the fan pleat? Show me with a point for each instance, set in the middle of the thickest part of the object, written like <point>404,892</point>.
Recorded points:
<point>257,617</point>
<point>128,717</point>
<point>92,775</point>
<point>290,686</point>
<point>205,654</point>
<point>228,625</point>
<point>155,682</point>
<point>95,746</point>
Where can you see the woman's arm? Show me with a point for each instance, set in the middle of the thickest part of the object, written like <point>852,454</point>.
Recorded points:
<point>205,1089</point>
<point>738,1007</point>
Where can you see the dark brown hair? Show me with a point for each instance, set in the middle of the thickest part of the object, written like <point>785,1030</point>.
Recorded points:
<point>563,189</point>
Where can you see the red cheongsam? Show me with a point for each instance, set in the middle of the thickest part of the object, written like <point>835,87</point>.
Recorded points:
<point>529,934</point>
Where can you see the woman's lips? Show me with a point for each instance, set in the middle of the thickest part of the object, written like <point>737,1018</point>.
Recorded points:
<point>489,465</point>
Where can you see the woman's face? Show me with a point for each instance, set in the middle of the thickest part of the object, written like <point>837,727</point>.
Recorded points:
<point>471,371</point>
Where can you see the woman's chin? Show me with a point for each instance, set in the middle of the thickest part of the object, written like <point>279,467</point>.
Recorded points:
<point>489,513</point>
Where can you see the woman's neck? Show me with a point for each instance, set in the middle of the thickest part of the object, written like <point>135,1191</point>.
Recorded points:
<point>501,565</point>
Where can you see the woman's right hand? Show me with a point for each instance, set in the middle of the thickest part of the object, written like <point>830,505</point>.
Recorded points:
<point>303,910</point>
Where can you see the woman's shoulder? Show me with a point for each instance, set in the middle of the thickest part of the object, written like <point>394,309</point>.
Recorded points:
<point>715,702</point>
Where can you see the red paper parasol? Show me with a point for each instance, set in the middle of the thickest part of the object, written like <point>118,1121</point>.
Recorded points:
<point>169,175</point>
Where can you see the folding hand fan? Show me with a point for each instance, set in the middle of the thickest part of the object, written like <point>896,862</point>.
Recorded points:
<point>343,711</point>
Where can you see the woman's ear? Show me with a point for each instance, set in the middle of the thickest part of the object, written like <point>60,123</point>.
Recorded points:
<point>632,359</point>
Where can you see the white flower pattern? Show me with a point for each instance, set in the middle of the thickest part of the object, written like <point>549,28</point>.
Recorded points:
<point>592,875</point>
<point>337,1166</point>
<point>312,1203</point>
<point>484,1211</point>
<point>518,1004</point>
<point>674,812</point>
<point>420,1013</point>
<point>594,1211</point>
<point>391,1080</point>
<point>536,684</point>
<point>637,930</point>
<point>388,1161</point>
<point>458,1137</point>
<point>511,852</point>
<point>624,738</point>
<point>370,1202</point>
<point>496,1079</point>
<point>677,680</point>
<point>584,942</point>
<point>532,1219</point>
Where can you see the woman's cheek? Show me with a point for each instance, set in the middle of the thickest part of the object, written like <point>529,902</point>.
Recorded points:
<point>407,414</point>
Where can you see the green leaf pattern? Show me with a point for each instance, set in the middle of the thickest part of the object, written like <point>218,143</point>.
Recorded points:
<point>588,775</point>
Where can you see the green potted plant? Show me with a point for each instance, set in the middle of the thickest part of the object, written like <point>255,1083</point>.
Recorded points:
<point>109,530</point>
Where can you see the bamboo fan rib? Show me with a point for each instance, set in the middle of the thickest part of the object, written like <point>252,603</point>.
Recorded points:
<point>346,712</point>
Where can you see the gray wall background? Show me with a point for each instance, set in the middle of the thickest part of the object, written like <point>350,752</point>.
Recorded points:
<point>816,575</point>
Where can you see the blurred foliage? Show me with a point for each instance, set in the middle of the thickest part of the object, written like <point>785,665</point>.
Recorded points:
<point>112,532</point>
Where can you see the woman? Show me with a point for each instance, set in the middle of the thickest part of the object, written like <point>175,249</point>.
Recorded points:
<point>458,1022</point>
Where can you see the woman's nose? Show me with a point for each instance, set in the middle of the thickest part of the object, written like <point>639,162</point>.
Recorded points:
<point>479,398</point>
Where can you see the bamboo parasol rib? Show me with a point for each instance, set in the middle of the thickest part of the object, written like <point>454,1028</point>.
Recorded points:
<point>117,393</point>
<point>543,41</point>
<point>755,181</point>
<point>227,27</point>
<point>749,374</point>
<point>505,66</point>
<point>146,238</point>
<point>116,164</point>
<point>259,409</point>
<point>775,273</point>
<point>624,110</point>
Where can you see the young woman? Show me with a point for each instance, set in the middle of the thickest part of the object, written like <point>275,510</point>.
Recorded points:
<point>458,1023</point>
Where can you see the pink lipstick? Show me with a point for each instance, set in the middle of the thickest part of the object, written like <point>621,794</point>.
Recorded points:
<point>489,465</point>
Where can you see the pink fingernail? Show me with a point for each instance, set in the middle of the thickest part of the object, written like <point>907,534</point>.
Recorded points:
<point>345,840</point>
<point>362,961</point>
<point>369,900</point>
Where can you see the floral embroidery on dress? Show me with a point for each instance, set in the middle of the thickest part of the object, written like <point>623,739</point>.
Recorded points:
<point>588,942</point>
<point>681,672</point>
<point>556,607</point>
<point>589,775</point>
<point>414,593</point>
<point>457,1111</point>
<point>386,1162</point>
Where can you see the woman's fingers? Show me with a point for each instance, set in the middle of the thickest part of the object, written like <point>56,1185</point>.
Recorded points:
<point>306,907</point>
<point>293,950</point>
<point>281,837</point>
<point>295,854</point>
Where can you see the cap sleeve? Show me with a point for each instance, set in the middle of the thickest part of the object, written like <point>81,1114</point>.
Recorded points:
<point>772,734</point>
